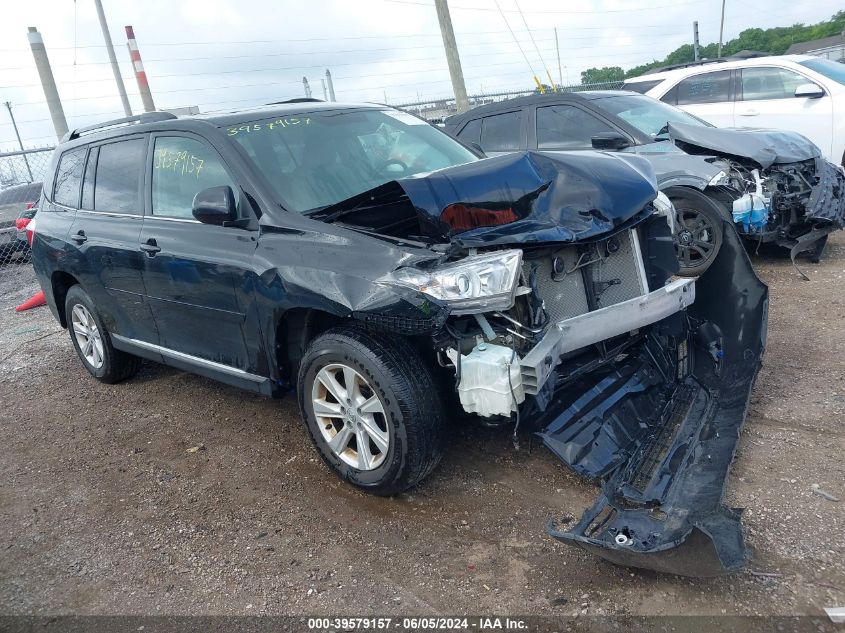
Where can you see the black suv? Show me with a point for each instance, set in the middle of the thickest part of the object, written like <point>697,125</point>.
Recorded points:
<point>396,280</point>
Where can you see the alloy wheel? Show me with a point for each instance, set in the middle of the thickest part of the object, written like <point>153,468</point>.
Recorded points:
<point>694,242</point>
<point>350,416</point>
<point>87,335</point>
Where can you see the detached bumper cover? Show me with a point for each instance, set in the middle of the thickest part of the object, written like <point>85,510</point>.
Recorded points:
<point>659,429</point>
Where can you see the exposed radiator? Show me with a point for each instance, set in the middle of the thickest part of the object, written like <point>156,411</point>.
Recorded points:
<point>616,276</point>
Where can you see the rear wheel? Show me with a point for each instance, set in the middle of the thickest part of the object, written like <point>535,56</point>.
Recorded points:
<point>371,406</point>
<point>93,343</point>
<point>699,232</point>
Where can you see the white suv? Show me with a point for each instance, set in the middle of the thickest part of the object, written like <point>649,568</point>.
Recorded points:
<point>800,93</point>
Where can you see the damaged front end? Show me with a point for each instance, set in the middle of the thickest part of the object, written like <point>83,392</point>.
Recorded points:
<point>565,318</point>
<point>776,184</point>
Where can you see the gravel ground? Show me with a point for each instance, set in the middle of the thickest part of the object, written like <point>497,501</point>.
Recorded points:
<point>106,508</point>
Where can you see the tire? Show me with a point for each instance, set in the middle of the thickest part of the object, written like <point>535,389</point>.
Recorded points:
<point>114,365</point>
<point>410,422</point>
<point>699,231</point>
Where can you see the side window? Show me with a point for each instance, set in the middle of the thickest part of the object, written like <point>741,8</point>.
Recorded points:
<point>705,88</point>
<point>500,132</point>
<point>182,167</point>
<point>120,171</point>
<point>769,83</point>
<point>640,86</point>
<point>471,132</point>
<point>567,127</point>
<point>69,177</point>
<point>88,182</point>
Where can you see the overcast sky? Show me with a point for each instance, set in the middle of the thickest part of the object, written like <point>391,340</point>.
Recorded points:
<point>223,54</point>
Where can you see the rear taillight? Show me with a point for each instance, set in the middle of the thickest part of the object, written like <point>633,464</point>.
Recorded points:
<point>30,230</point>
<point>30,205</point>
<point>21,223</point>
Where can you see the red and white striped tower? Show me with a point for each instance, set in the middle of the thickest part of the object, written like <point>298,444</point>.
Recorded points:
<point>140,75</point>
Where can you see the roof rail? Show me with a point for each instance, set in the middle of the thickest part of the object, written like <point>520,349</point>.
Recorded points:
<point>145,117</point>
<point>716,60</point>
<point>296,100</point>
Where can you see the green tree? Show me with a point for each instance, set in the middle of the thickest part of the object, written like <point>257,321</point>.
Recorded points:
<point>602,75</point>
<point>774,41</point>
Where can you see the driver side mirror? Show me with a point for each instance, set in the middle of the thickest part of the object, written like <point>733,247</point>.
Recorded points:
<point>612,141</point>
<point>215,205</point>
<point>809,90</point>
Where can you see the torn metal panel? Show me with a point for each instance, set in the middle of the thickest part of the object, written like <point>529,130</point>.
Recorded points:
<point>827,202</point>
<point>765,147</point>
<point>660,430</point>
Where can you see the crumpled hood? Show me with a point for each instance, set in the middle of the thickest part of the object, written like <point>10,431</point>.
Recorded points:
<point>765,147</point>
<point>514,198</point>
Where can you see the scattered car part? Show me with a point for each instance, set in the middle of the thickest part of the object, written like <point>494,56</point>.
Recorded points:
<point>781,189</point>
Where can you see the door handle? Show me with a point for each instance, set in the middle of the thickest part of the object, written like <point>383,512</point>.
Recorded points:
<point>150,247</point>
<point>79,238</point>
<point>749,113</point>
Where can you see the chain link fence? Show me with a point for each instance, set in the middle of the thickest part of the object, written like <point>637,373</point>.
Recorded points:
<point>436,110</point>
<point>21,175</point>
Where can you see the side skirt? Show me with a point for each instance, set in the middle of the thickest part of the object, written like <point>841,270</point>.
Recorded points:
<point>201,366</point>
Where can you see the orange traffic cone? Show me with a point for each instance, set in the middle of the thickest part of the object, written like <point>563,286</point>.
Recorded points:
<point>33,302</point>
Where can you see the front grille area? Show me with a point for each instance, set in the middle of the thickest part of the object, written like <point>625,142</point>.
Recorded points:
<point>613,268</point>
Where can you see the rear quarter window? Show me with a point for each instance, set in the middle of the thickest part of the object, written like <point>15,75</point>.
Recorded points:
<point>471,133</point>
<point>69,177</point>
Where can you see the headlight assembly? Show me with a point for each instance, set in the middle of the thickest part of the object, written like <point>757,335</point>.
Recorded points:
<point>478,283</point>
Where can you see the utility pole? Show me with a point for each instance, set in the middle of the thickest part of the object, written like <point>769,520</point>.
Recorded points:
<point>452,57</point>
<point>42,63</point>
<point>20,143</point>
<point>559,71</point>
<point>721,29</point>
<point>110,49</point>
<point>307,87</point>
<point>140,74</point>
<point>695,49</point>
<point>330,84</point>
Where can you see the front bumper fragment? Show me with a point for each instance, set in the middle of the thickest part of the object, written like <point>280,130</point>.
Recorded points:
<point>658,428</point>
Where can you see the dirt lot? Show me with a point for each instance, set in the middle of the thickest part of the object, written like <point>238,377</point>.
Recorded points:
<point>103,510</point>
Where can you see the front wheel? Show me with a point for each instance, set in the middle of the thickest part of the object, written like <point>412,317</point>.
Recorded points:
<point>93,343</point>
<point>372,409</point>
<point>698,231</point>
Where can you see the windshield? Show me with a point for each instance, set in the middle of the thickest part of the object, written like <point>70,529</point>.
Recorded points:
<point>318,159</point>
<point>646,114</point>
<point>831,70</point>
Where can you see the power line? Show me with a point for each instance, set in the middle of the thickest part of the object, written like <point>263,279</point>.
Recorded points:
<point>524,56</point>
<point>552,12</point>
<point>531,35</point>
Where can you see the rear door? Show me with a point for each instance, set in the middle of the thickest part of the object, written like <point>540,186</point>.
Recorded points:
<point>105,234</point>
<point>709,96</point>
<point>197,276</point>
<point>767,99</point>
